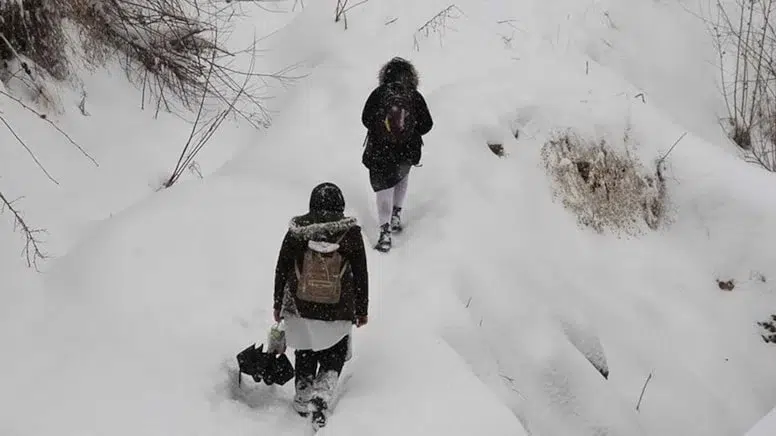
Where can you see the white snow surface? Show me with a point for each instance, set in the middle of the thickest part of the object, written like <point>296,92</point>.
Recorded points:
<point>766,426</point>
<point>484,316</point>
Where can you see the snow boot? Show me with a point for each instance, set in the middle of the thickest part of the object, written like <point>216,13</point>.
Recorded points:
<point>304,391</point>
<point>323,391</point>
<point>319,407</point>
<point>301,408</point>
<point>396,226</point>
<point>384,242</point>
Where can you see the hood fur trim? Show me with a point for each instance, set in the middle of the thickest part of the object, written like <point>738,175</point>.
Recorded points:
<point>399,69</point>
<point>321,230</point>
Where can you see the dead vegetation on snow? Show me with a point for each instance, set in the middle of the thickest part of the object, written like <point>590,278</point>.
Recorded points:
<point>603,188</point>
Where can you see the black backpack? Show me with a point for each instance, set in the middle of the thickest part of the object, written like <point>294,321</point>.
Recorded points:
<point>399,120</point>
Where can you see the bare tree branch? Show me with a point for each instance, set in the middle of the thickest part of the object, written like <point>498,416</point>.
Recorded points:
<point>746,44</point>
<point>340,11</point>
<point>200,133</point>
<point>643,389</point>
<point>659,161</point>
<point>436,24</point>
<point>170,50</point>
<point>179,165</point>
<point>45,118</point>
<point>32,155</point>
<point>31,251</point>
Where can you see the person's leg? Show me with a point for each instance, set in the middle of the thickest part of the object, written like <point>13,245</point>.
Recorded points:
<point>305,369</point>
<point>383,182</point>
<point>384,205</point>
<point>399,194</point>
<point>331,362</point>
<point>333,358</point>
<point>384,208</point>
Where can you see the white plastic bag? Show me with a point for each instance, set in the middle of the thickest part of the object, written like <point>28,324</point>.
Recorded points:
<point>276,339</point>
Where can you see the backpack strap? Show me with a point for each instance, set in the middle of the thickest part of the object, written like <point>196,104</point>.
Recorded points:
<point>342,237</point>
<point>344,261</point>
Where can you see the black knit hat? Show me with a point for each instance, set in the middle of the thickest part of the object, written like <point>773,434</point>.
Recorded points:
<point>327,197</point>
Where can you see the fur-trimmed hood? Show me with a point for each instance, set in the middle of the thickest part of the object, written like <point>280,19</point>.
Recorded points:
<point>399,70</point>
<point>304,227</point>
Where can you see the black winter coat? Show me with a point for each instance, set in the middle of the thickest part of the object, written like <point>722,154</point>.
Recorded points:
<point>354,300</point>
<point>380,155</point>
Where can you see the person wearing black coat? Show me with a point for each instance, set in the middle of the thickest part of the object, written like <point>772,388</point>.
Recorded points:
<point>321,332</point>
<point>389,164</point>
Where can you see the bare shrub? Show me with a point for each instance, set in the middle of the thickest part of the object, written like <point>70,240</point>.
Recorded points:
<point>603,188</point>
<point>173,49</point>
<point>32,251</point>
<point>33,49</point>
<point>32,28</point>
<point>745,39</point>
<point>166,46</point>
<point>437,24</point>
<point>32,53</point>
<point>201,132</point>
<point>158,41</point>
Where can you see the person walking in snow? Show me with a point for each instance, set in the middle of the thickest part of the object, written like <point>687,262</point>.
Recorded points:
<point>396,117</point>
<point>321,291</point>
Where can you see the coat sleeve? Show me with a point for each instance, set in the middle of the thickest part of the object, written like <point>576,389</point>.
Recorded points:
<point>360,274</point>
<point>370,115</point>
<point>425,123</point>
<point>284,267</point>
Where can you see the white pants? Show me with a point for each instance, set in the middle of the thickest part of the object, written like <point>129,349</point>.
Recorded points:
<point>389,198</point>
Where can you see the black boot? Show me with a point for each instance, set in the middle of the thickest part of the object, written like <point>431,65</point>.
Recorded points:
<point>319,413</point>
<point>396,220</point>
<point>384,242</point>
<point>304,391</point>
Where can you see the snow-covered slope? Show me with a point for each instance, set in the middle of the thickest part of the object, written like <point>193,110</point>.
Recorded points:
<point>765,426</point>
<point>485,314</point>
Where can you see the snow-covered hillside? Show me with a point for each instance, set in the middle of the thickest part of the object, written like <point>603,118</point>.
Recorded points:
<point>485,315</point>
